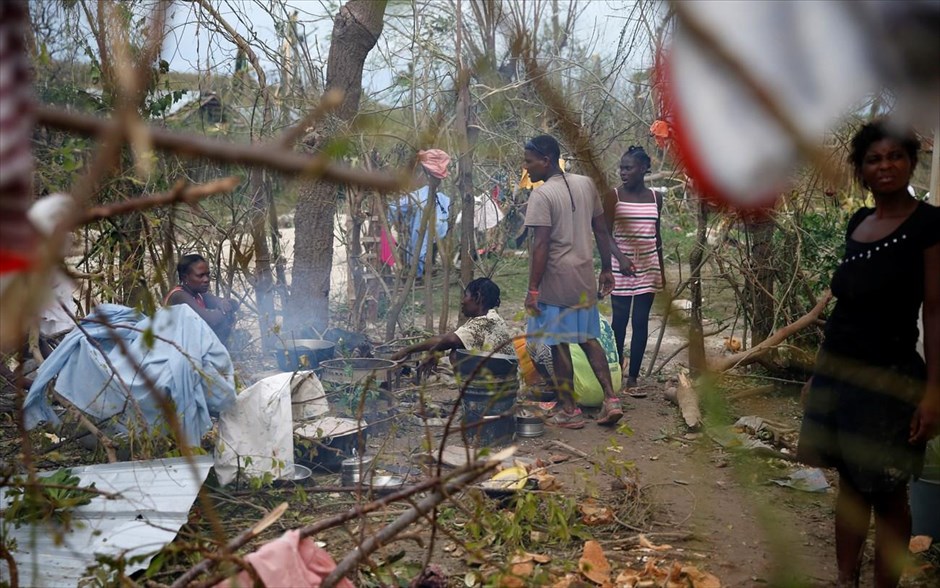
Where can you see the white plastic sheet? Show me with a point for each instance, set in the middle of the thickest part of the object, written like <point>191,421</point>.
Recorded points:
<point>256,435</point>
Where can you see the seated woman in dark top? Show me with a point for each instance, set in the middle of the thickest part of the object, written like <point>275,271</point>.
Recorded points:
<point>193,289</point>
<point>873,403</point>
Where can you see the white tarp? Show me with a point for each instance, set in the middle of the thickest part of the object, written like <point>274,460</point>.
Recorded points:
<point>154,498</point>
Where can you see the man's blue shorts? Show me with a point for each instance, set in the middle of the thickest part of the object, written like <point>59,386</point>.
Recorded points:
<point>560,324</point>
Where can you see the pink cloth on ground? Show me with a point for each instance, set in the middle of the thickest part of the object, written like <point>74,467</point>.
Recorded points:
<point>288,561</point>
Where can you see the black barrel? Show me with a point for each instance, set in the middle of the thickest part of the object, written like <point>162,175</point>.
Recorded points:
<point>488,415</point>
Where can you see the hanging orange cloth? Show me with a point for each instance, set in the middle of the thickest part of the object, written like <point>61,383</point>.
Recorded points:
<point>661,132</point>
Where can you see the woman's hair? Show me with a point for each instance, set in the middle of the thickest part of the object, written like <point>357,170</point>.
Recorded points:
<point>639,154</point>
<point>186,262</point>
<point>875,131</point>
<point>486,290</point>
<point>546,146</point>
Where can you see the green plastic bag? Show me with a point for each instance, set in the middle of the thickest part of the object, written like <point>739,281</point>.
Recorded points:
<point>587,390</point>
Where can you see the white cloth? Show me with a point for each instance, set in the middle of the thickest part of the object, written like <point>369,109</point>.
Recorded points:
<point>256,435</point>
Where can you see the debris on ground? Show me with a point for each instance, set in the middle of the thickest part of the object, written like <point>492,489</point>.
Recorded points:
<point>138,506</point>
<point>595,567</point>
<point>806,479</point>
<point>593,564</point>
<point>593,514</point>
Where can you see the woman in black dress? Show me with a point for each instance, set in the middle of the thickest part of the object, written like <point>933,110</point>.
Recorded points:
<point>873,403</point>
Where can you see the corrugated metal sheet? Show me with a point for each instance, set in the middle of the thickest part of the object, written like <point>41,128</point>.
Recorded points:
<point>155,498</point>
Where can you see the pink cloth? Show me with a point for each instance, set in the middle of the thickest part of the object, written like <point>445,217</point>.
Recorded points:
<point>288,561</point>
<point>435,161</point>
<point>386,242</point>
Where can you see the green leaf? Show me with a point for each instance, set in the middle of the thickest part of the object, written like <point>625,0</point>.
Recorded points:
<point>149,338</point>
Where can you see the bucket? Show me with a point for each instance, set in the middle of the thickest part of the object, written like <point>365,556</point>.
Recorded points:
<point>488,417</point>
<point>357,469</point>
<point>925,508</point>
<point>925,494</point>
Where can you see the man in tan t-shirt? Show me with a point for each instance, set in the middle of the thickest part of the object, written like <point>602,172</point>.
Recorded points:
<point>562,300</point>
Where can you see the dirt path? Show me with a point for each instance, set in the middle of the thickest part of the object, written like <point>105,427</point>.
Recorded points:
<point>744,530</point>
<point>717,510</point>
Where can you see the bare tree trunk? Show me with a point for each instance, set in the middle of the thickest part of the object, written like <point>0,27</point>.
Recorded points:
<point>132,249</point>
<point>464,164</point>
<point>264,277</point>
<point>696,338</point>
<point>356,29</point>
<point>760,279</point>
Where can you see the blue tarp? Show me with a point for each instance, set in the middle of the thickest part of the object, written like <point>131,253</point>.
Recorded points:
<point>176,349</point>
<point>411,209</point>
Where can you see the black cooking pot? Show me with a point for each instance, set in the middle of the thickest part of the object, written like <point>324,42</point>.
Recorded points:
<point>302,354</point>
<point>324,445</point>
<point>482,365</point>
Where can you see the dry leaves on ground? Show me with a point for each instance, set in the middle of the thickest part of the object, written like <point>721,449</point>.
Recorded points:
<point>676,576</point>
<point>593,563</point>
<point>595,514</point>
<point>646,543</point>
<point>595,567</point>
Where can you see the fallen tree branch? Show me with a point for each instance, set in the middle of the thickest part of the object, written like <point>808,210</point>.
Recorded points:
<point>475,469</point>
<point>105,441</point>
<point>750,355</point>
<point>756,391</point>
<point>687,399</point>
<point>258,154</point>
<point>181,193</point>
<point>682,348</point>
<point>425,506</point>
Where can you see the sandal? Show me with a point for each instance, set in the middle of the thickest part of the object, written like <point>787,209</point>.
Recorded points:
<point>567,420</point>
<point>610,412</point>
<point>632,389</point>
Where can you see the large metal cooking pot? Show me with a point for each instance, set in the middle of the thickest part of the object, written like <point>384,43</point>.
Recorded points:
<point>355,370</point>
<point>302,354</point>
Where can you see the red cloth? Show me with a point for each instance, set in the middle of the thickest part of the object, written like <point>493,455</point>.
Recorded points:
<point>661,132</point>
<point>435,161</point>
<point>18,238</point>
<point>288,561</point>
<point>386,242</point>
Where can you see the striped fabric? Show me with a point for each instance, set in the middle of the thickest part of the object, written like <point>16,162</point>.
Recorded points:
<point>635,235</point>
<point>17,236</point>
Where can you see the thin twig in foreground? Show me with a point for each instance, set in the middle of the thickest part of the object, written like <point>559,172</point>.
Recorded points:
<point>259,154</point>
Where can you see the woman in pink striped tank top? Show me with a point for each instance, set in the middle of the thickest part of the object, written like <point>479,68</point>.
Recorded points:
<point>637,257</point>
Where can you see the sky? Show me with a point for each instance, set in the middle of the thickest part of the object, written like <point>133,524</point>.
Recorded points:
<point>189,45</point>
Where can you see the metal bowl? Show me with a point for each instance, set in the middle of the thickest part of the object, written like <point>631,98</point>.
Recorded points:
<point>301,472</point>
<point>386,484</point>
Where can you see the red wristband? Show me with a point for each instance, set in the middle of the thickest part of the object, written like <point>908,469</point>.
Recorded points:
<point>534,292</point>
